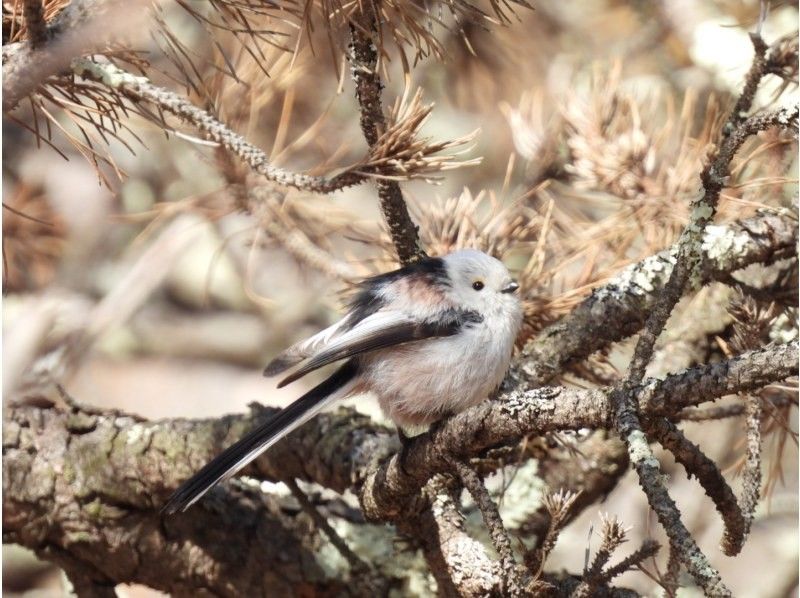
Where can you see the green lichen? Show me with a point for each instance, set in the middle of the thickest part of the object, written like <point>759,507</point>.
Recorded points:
<point>109,74</point>
<point>639,450</point>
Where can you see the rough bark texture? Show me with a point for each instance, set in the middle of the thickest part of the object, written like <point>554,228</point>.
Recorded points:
<point>90,484</point>
<point>364,64</point>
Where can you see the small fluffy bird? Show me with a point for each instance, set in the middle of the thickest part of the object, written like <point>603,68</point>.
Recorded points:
<point>429,340</point>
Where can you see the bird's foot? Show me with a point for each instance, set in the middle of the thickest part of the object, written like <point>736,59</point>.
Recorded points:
<point>406,442</point>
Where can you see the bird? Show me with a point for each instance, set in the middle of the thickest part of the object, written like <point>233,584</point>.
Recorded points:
<point>430,339</point>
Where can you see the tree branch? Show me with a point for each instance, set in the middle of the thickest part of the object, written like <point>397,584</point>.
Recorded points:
<point>82,27</point>
<point>522,410</point>
<point>116,471</point>
<point>619,308</point>
<point>512,584</point>
<point>81,486</point>
<point>364,65</point>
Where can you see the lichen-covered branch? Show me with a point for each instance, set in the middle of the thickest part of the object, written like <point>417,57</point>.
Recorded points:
<point>80,489</point>
<point>458,562</point>
<point>523,410</point>
<point>619,308</point>
<point>751,477</point>
<point>512,584</point>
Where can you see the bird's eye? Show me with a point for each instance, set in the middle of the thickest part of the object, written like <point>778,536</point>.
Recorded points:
<point>477,285</point>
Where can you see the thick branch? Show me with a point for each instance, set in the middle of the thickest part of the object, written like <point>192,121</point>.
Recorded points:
<point>77,488</point>
<point>459,563</point>
<point>522,411</point>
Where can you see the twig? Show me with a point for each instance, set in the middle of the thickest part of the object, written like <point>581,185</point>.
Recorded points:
<point>671,579</point>
<point>590,469</point>
<point>694,414</point>
<point>758,69</point>
<point>593,577</point>
<point>364,65</point>
<point>141,89</point>
<point>558,505</point>
<point>751,477</point>
<point>648,549</point>
<point>491,517</point>
<point>34,21</point>
<point>709,477</point>
<point>356,564</point>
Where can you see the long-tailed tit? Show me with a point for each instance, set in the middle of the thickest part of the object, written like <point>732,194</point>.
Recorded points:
<point>430,340</point>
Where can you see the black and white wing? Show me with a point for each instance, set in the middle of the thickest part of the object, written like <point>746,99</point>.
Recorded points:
<point>375,322</point>
<point>378,331</point>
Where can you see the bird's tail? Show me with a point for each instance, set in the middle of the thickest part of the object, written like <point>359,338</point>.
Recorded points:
<point>256,442</point>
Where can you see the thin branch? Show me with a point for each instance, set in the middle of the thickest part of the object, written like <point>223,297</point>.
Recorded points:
<point>33,11</point>
<point>140,89</point>
<point>709,477</point>
<point>648,549</point>
<point>364,65</point>
<point>558,505</point>
<point>356,564</point>
<point>758,69</point>
<point>491,518</point>
<point>751,477</point>
<point>593,578</point>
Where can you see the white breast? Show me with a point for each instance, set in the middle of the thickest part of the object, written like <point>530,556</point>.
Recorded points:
<point>421,382</point>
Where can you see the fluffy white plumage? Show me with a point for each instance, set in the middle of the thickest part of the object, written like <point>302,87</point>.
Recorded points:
<point>429,340</point>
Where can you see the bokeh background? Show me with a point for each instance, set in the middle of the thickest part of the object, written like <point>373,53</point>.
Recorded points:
<point>136,276</point>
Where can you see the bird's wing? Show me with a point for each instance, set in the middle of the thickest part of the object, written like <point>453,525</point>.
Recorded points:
<point>382,329</point>
<point>305,348</point>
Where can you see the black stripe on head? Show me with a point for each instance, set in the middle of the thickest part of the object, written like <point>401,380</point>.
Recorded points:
<point>368,299</point>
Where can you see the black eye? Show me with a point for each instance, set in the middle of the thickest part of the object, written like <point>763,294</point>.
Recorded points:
<point>477,285</point>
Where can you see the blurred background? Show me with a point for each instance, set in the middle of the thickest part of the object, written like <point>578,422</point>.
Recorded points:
<point>139,276</point>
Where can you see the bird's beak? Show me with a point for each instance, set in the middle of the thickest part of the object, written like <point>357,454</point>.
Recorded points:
<point>510,287</point>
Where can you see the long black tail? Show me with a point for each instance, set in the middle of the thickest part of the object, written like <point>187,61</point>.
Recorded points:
<point>236,456</point>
